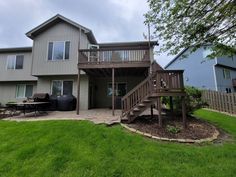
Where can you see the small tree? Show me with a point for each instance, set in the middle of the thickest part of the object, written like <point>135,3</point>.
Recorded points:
<point>180,24</point>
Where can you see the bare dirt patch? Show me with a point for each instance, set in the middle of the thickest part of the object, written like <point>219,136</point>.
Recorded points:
<point>173,128</point>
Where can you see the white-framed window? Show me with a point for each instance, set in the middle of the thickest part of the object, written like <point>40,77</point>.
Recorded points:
<point>59,50</point>
<point>226,73</point>
<point>62,87</point>
<point>15,62</point>
<point>120,89</point>
<point>24,90</point>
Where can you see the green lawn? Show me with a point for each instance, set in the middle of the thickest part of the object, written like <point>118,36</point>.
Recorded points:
<point>80,148</point>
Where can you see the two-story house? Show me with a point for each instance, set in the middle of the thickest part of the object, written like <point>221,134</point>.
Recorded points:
<point>217,74</point>
<point>66,59</point>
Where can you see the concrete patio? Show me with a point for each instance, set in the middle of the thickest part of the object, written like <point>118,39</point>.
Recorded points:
<point>97,116</point>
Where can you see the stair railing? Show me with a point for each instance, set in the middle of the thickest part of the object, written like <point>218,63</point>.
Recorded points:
<point>136,95</point>
<point>161,81</point>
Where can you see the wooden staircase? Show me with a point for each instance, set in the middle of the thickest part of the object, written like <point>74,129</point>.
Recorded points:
<point>149,92</point>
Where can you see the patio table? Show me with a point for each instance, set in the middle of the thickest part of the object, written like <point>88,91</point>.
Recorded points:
<point>34,104</point>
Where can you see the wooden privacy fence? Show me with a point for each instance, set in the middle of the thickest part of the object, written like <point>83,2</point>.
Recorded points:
<point>220,101</point>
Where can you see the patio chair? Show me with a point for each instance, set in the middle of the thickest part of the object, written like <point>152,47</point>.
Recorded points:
<point>5,111</point>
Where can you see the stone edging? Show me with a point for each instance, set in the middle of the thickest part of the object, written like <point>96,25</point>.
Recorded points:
<point>214,137</point>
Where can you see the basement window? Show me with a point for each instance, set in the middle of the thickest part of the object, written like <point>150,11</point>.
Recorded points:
<point>24,91</point>
<point>59,50</point>
<point>60,87</point>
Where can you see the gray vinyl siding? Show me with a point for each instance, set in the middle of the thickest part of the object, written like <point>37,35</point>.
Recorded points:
<point>198,71</point>
<point>45,83</point>
<point>223,83</point>
<point>59,32</point>
<point>8,91</point>
<point>18,74</point>
<point>227,61</point>
<point>100,97</point>
<point>84,41</point>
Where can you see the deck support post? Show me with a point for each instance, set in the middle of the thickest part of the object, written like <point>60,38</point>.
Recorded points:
<point>159,111</point>
<point>113,91</point>
<point>184,112</point>
<point>78,93</point>
<point>151,111</point>
<point>171,107</point>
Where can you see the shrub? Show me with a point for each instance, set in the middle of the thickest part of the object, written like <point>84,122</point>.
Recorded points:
<point>172,129</point>
<point>193,101</point>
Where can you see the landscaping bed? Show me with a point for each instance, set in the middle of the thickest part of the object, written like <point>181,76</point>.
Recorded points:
<point>173,128</point>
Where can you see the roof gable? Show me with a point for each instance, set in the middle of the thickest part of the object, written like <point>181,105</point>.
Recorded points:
<point>56,19</point>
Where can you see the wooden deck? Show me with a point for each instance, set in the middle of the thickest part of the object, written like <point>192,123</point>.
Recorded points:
<point>112,62</point>
<point>131,57</point>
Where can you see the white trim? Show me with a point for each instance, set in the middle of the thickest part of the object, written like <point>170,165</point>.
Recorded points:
<point>214,73</point>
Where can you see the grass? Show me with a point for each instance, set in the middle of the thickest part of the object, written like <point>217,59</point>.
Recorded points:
<point>226,122</point>
<point>80,148</point>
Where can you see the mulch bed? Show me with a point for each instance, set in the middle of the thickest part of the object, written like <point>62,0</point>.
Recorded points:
<point>196,129</point>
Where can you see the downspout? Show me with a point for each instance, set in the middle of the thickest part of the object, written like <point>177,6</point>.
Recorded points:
<point>214,73</point>
<point>149,47</point>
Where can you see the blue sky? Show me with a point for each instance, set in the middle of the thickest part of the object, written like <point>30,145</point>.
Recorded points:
<point>110,20</point>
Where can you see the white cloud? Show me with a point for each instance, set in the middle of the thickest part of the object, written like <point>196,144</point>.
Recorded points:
<point>131,8</point>
<point>110,20</point>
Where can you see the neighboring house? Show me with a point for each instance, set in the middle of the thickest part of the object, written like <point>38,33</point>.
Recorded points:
<point>199,71</point>
<point>66,59</point>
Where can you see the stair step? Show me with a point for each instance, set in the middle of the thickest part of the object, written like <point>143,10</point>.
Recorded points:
<point>152,97</point>
<point>124,118</point>
<point>146,101</point>
<point>136,109</point>
<point>141,105</point>
<point>131,114</point>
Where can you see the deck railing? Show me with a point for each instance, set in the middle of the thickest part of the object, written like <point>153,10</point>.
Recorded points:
<point>162,81</point>
<point>113,55</point>
<point>168,80</point>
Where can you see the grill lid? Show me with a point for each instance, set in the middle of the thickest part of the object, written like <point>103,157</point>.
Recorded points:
<point>41,96</point>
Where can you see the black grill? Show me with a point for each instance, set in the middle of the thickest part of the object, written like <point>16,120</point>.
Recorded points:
<point>41,97</point>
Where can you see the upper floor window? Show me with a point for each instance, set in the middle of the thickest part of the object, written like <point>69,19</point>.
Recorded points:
<point>15,61</point>
<point>58,50</point>
<point>226,73</point>
<point>24,90</point>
